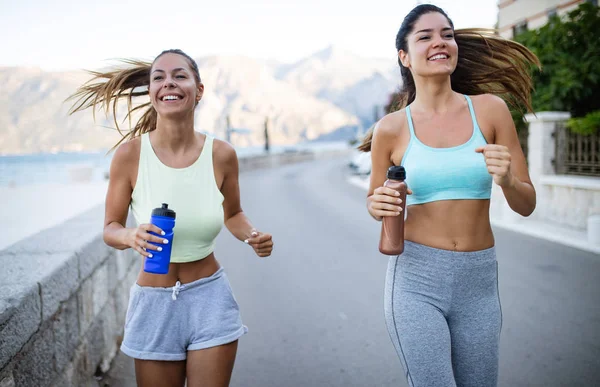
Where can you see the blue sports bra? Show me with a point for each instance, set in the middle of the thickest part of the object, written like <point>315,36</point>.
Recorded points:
<point>453,173</point>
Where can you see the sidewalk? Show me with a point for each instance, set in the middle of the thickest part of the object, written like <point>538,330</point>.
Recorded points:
<point>535,228</point>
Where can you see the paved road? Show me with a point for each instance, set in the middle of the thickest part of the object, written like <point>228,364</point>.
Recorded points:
<point>315,308</point>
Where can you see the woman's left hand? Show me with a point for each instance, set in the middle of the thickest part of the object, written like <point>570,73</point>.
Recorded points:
<point>497,160</point>
<point>261,243</point>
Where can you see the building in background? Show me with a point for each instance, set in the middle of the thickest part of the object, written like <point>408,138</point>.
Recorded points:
<point>516,16</point>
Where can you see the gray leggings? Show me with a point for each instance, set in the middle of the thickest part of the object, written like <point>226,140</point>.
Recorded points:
<point>443,314</point>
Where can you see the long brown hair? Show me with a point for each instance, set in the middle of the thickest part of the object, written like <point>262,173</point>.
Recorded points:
<point>487,63</point>
<point>105,89</point>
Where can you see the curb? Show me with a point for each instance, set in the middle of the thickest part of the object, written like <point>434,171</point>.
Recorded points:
<point>552,236</point>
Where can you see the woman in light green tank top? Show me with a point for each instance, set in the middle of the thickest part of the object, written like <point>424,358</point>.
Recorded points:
<point>183,326</point>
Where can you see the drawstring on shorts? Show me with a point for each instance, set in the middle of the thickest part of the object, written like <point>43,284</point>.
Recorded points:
<point>176,290</point>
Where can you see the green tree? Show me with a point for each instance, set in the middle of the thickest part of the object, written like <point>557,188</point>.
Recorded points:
<point>569,50</point>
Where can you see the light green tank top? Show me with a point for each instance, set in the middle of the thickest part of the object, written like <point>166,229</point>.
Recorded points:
<point>191,192</point>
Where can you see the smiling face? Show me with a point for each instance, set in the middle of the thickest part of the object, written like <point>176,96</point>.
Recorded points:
<point>173,86</point>
<point>432,49</point>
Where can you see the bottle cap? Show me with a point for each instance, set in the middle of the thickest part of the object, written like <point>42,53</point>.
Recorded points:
<point>164,211</point>
<point>396,173</point>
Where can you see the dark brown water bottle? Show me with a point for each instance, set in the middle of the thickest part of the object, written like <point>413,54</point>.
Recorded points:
<point>391,241</point>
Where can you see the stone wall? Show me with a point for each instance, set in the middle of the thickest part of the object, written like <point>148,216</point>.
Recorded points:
<point>63,299</point>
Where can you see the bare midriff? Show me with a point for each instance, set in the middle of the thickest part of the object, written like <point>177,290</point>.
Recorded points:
<point>183,272</point>
<point>456,225</point>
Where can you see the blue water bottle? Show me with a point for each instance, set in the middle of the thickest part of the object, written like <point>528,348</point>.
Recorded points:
<point>163,218</point>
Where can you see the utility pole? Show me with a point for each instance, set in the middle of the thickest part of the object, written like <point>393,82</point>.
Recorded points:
<point>228,131</point>
<point>267,134</point>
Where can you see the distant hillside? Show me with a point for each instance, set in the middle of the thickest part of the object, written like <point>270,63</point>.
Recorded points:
<point>330,94</point>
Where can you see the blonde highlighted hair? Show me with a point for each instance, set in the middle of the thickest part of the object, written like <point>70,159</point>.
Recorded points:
<point>105,89</point>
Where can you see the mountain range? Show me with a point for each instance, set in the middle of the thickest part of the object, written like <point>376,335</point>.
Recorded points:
<point>331,95</point>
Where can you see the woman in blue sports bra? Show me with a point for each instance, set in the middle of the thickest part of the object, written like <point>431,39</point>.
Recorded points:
<point>455,138</point>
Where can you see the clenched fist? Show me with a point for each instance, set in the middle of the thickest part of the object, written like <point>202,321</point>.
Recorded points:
<point>497,160</point>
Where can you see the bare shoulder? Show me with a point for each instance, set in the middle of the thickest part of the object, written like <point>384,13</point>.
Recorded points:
<point>128,153</point>
<point>489,104</point>
<point>124,164</point>
<point>391,125</point>
<point>223,152</point>
<point>495,115</point>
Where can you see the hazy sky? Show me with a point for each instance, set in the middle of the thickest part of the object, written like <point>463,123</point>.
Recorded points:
<point>68,34</point>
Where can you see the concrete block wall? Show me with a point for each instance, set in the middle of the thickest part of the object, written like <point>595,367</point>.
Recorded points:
<point>64,296</point>
<point>279,159</point>
<point>569,201</point>
<point>63,299</point>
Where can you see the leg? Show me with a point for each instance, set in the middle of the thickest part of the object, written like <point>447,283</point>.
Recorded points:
<point>420,334</point>
<point>211,367</point>
<point>475,331</point>
<point>422,339</point>
<point>157,373</point>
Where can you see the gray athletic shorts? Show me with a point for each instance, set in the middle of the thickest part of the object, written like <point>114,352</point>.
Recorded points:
<point>165,323</point>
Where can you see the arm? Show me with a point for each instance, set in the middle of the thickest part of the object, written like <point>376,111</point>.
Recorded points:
<point>382,201</point>
<point>118,196</point>
<point>235,220</point>
<point>505,159</point>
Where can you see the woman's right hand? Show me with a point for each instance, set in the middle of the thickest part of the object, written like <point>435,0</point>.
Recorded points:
<point>138,239</point>
<point>385,202</point>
